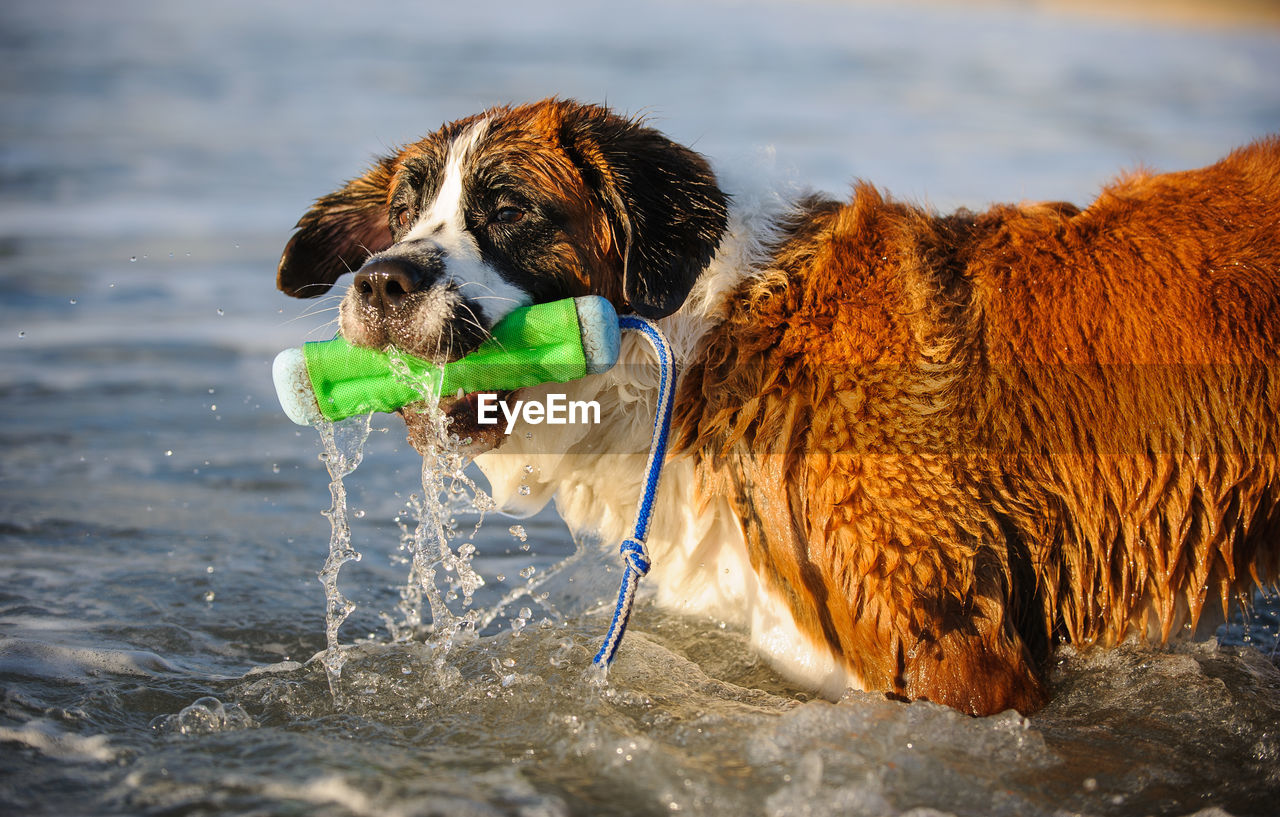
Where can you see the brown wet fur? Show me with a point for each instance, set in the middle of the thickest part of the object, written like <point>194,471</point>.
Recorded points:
<point>954,442</point>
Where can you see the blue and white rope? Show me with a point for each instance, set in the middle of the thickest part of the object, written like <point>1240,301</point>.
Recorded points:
<point>632,549</point>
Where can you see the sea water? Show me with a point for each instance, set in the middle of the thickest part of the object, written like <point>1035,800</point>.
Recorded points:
<point>162,628</point>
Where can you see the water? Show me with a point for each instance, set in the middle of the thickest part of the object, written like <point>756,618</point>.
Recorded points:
<point>343,451</point>
<point>161,522</point>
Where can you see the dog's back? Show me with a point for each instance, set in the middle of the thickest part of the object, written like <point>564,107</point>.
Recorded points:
<point>953,441</point>
<point>1134,360</point>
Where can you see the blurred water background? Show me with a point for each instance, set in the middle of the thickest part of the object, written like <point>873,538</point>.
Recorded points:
<point>160,525</point>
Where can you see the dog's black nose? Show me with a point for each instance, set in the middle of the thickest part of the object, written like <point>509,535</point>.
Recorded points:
<point>384,284</point>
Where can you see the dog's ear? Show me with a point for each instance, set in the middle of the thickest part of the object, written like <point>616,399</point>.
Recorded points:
<point>662,200</point>
<point>338,233</point>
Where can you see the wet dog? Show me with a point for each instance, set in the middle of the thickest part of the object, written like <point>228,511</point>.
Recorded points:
<point>911,452</point>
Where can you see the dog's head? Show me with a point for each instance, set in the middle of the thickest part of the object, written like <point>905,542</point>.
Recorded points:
<point>511,207</point>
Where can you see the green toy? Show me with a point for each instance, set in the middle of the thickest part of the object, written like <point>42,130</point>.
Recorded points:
<point>545,343</point>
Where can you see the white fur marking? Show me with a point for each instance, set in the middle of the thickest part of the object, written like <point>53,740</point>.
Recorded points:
<point>444,223</point>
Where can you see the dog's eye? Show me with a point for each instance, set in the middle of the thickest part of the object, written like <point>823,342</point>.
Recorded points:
<point>507,215</point>
<point>401,217</point>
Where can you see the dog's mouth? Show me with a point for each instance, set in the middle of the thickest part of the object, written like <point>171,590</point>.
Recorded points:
<point>462,421</point>
<point>441,332</point>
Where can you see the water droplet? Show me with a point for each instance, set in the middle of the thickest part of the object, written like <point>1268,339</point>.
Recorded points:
<point>22,334</point>
<point>528,571</point>
<point>359,514</point>
<point>209,596</point>
<point>526,614</point>
<point>221,312</point>
<point>205,716</point>
<point>73,301</point>
<point>518,532</point>
<point>275,469</point>
<point>213,407</point>
<point>133,258</point>
<point>528,469</point>
<point>524,490</point>
<point>563,653</point>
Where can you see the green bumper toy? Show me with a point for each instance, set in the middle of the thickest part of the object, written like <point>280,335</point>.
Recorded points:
<point>545,343</point>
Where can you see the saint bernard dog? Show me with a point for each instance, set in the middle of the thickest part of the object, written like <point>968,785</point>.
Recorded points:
<point>911,452</point>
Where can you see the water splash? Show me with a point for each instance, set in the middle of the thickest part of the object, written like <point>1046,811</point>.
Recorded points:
<point>439,595</point>
<point>437,602</point>
<point>206,716</point>
<point>439,574</point>
<point>343,444</point>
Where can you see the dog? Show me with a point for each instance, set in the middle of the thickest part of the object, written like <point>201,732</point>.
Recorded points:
<point>911,452</point>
